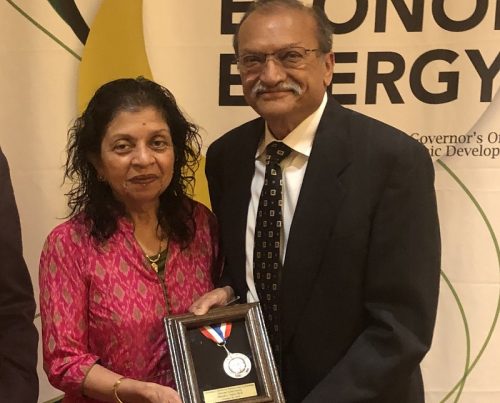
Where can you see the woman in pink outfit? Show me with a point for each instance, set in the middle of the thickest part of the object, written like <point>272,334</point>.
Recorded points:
<point>135,249</point>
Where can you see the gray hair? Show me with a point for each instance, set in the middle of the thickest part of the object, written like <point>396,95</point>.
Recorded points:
<point>324,30</point>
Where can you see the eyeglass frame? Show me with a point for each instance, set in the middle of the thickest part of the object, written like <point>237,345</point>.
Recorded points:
<point>264,58</point>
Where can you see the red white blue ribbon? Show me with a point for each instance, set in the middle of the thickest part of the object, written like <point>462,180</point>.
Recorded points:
<point>217,333</point>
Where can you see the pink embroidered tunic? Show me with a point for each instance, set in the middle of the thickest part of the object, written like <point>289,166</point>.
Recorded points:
<point>104,304</point>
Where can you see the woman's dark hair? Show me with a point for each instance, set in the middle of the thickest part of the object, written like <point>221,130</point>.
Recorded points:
<point>94,197</point>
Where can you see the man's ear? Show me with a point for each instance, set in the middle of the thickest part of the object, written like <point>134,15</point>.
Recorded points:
<point>329,63</point>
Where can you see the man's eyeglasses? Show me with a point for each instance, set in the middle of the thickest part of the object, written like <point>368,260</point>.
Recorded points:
<point>292,57</point>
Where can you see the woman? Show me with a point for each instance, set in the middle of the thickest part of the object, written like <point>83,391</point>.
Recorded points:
<point>135,248</point>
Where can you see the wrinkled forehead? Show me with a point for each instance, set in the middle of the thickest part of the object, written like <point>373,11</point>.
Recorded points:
<point>268,30</point>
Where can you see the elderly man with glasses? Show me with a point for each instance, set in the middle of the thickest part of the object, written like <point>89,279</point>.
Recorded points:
<point>328,218</point>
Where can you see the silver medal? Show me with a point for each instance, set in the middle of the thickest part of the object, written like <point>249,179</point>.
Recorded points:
<point>237,365</point>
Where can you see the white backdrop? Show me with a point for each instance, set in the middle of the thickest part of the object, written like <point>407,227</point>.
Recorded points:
<point>429,68</point>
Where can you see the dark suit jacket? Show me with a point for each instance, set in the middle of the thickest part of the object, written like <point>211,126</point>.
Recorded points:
<point>361,276</point>
<point>18,335</point>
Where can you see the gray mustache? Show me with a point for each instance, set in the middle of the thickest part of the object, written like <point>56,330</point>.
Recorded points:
<point>259,88</point>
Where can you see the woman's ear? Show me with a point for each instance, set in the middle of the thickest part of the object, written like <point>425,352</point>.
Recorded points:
<point>95,160</point>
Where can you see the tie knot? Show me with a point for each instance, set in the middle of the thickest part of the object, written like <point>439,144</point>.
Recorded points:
<point>277,152</point>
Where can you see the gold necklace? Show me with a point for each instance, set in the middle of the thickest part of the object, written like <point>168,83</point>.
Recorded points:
<point>153,261</point>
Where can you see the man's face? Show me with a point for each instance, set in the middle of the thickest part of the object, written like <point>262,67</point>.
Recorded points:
<point>283,96</point>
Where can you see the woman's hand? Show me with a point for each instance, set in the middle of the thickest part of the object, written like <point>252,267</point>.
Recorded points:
<point>102,384</point>
<point>132,391</point>
<point>216,297</point>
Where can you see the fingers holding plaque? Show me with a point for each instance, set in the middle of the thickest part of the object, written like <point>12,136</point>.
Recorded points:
<point>223,356</point>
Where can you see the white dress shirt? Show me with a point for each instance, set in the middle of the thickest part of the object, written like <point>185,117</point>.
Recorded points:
<point>293,167</point>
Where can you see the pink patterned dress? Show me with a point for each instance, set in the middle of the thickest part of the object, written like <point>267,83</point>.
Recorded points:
<point>104,304</point>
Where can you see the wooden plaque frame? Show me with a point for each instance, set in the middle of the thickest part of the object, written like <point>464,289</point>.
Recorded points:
<point>196,372</point>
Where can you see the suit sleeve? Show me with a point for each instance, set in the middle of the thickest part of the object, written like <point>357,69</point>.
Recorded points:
<point>214,186</point>
<point>212,172</point>
<point>18,335</point>
<point>400,292</point>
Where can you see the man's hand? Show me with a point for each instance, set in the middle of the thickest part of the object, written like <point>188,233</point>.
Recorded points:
<point>216,297</point>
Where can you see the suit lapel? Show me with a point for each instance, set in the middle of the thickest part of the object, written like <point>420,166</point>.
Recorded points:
<point>320,197</point>
<point>240,167</point>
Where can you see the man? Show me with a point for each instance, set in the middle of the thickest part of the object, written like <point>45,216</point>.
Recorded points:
<point>18,335</point>
<point>358,278</point>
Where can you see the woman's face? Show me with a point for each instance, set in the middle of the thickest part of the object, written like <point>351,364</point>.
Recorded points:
<point>137,157</point>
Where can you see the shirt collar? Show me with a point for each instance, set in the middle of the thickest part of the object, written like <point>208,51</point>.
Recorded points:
<point>299,139</point>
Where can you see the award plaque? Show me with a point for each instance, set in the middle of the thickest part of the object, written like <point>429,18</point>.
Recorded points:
<point>223,356</point>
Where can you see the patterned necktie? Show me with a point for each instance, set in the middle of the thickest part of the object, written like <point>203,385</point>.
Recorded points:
<point>266,253</point>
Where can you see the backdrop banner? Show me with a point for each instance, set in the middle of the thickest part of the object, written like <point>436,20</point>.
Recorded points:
<point>430,68</point>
